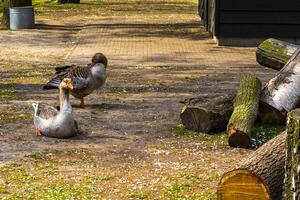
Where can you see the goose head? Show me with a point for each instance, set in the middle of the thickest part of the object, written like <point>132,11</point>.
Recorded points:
<point>67,83</point>
<point>99,58</point>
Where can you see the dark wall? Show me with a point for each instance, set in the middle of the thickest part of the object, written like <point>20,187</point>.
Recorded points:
<point>255,18</point>
<point>207,14</point>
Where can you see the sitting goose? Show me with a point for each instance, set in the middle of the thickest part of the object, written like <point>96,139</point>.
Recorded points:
<point>48,121</point>
<point>86,79</point>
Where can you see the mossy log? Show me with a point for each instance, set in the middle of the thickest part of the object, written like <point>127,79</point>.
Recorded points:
<point>292,166</point>
<point>274,53</point>
<point>260,176</point>
<point>207,117</point>
<point>244,113</point>
<point>282,93</point>
<point>12,3</point>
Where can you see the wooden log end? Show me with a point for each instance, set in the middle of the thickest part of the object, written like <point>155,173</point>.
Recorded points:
<point>269,115</point>
<point>242,184</point>
<point>196,119</point>
<point>238,138</point>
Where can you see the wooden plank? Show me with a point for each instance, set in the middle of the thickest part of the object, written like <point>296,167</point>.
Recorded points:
<point>275,5</point>
<point>258,30</point>
<point>260,17</point>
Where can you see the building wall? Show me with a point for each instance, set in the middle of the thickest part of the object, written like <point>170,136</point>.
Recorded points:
<point>257,18</point>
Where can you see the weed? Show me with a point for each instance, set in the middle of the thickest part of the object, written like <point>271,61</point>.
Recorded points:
<point>138,195</point>
<point>181,130</point>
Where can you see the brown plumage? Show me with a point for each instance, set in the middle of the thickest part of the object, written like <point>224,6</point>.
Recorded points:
<point>85,78</point>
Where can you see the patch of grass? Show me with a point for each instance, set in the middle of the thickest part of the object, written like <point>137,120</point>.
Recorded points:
<point>181,130</point>
<point>216,139</point>
<point>176,191</point>
<point>8,94</point>
<point>107,178</point>
<point>32,182</point>
<point>138,195</point>
<point>213,176</point>
<point>265,132</point>
<point>68,191</point>
<point>206,196</point>
<point>13,117</point>
<point>191,177</point>
<point>16,173</point>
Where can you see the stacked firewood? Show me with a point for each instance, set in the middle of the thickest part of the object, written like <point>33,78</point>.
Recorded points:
<point>273,170</point>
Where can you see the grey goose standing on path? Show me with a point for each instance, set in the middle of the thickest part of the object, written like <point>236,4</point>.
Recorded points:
<point>85,79</point>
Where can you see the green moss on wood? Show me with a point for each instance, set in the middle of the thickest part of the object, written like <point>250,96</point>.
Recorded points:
<point>245,112</point>
<point>292,176</point>
<point>275,53</point>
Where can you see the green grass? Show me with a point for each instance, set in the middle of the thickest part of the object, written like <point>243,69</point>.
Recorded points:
<point>8,94</point>
<point>138,195</point>
<point>212,140</point>
<point>265,132</point>
<point>176,191</point>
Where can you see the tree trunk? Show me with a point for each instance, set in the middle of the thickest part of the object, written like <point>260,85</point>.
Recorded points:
<point>68,1</point>
<point>292,165</point>
<point>274,53</point>
<point>244,113</point>
<point>209,117</point>
<point>260,176</point>
<point>282,93</point>
<point>12,3</point>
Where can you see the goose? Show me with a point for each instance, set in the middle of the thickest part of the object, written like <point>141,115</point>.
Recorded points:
<point>48,121</point>
<point>86,79</point>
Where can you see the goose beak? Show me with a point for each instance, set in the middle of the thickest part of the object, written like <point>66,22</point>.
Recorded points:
<point>70,85</point>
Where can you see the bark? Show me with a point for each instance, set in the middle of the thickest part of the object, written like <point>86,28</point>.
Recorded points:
<point>282,93</point>
<point>260,176</point>
<point>12,3</point>
<point>292,165</point>
<point>244,113</point>
<point>274,53</point>
<point>209,117</point>
<point>68,1</point>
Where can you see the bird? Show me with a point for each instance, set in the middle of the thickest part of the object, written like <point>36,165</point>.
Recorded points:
<point>49,121</point>
<point>86,79</point>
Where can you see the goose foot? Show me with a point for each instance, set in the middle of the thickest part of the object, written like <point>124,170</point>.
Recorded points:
<point>82,103</point>
<point>37,132</point>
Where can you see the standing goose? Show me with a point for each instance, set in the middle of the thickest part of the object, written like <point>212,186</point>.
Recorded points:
<point>86,79</point>
<point>48,121</point>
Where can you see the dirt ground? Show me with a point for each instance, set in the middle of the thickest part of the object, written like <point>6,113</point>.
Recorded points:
<point>133,146</point>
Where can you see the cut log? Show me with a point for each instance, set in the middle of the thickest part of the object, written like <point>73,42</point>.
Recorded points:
<point>260,176</point>
<point>207,117</point>
<point>12,3</point>
<point>292,165</point>
<point>274,53</point>
<point>244,113</point>
<point>282,93</point>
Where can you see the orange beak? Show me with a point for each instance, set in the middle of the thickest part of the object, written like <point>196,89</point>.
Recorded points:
<point>70,85</point>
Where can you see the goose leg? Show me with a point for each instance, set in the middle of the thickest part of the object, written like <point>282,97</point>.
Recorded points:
<point>37,132</point>
<point>82,102</point>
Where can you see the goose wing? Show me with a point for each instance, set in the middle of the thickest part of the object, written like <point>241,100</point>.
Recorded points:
<point>78,74</point>
<point>45,111</point>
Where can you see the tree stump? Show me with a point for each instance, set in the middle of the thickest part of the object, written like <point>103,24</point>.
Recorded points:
<point>244,112</point>
<point>207,117</point>
<point>260,176</point>
<point>274,53</point>
<point>12,3</point>
<point>282,93</point>
<point>292,166</point>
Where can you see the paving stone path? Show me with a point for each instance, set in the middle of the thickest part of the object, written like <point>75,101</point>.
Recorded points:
<point>154,62</point>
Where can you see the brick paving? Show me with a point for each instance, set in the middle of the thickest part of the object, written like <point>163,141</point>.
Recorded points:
<point>156,58</point>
